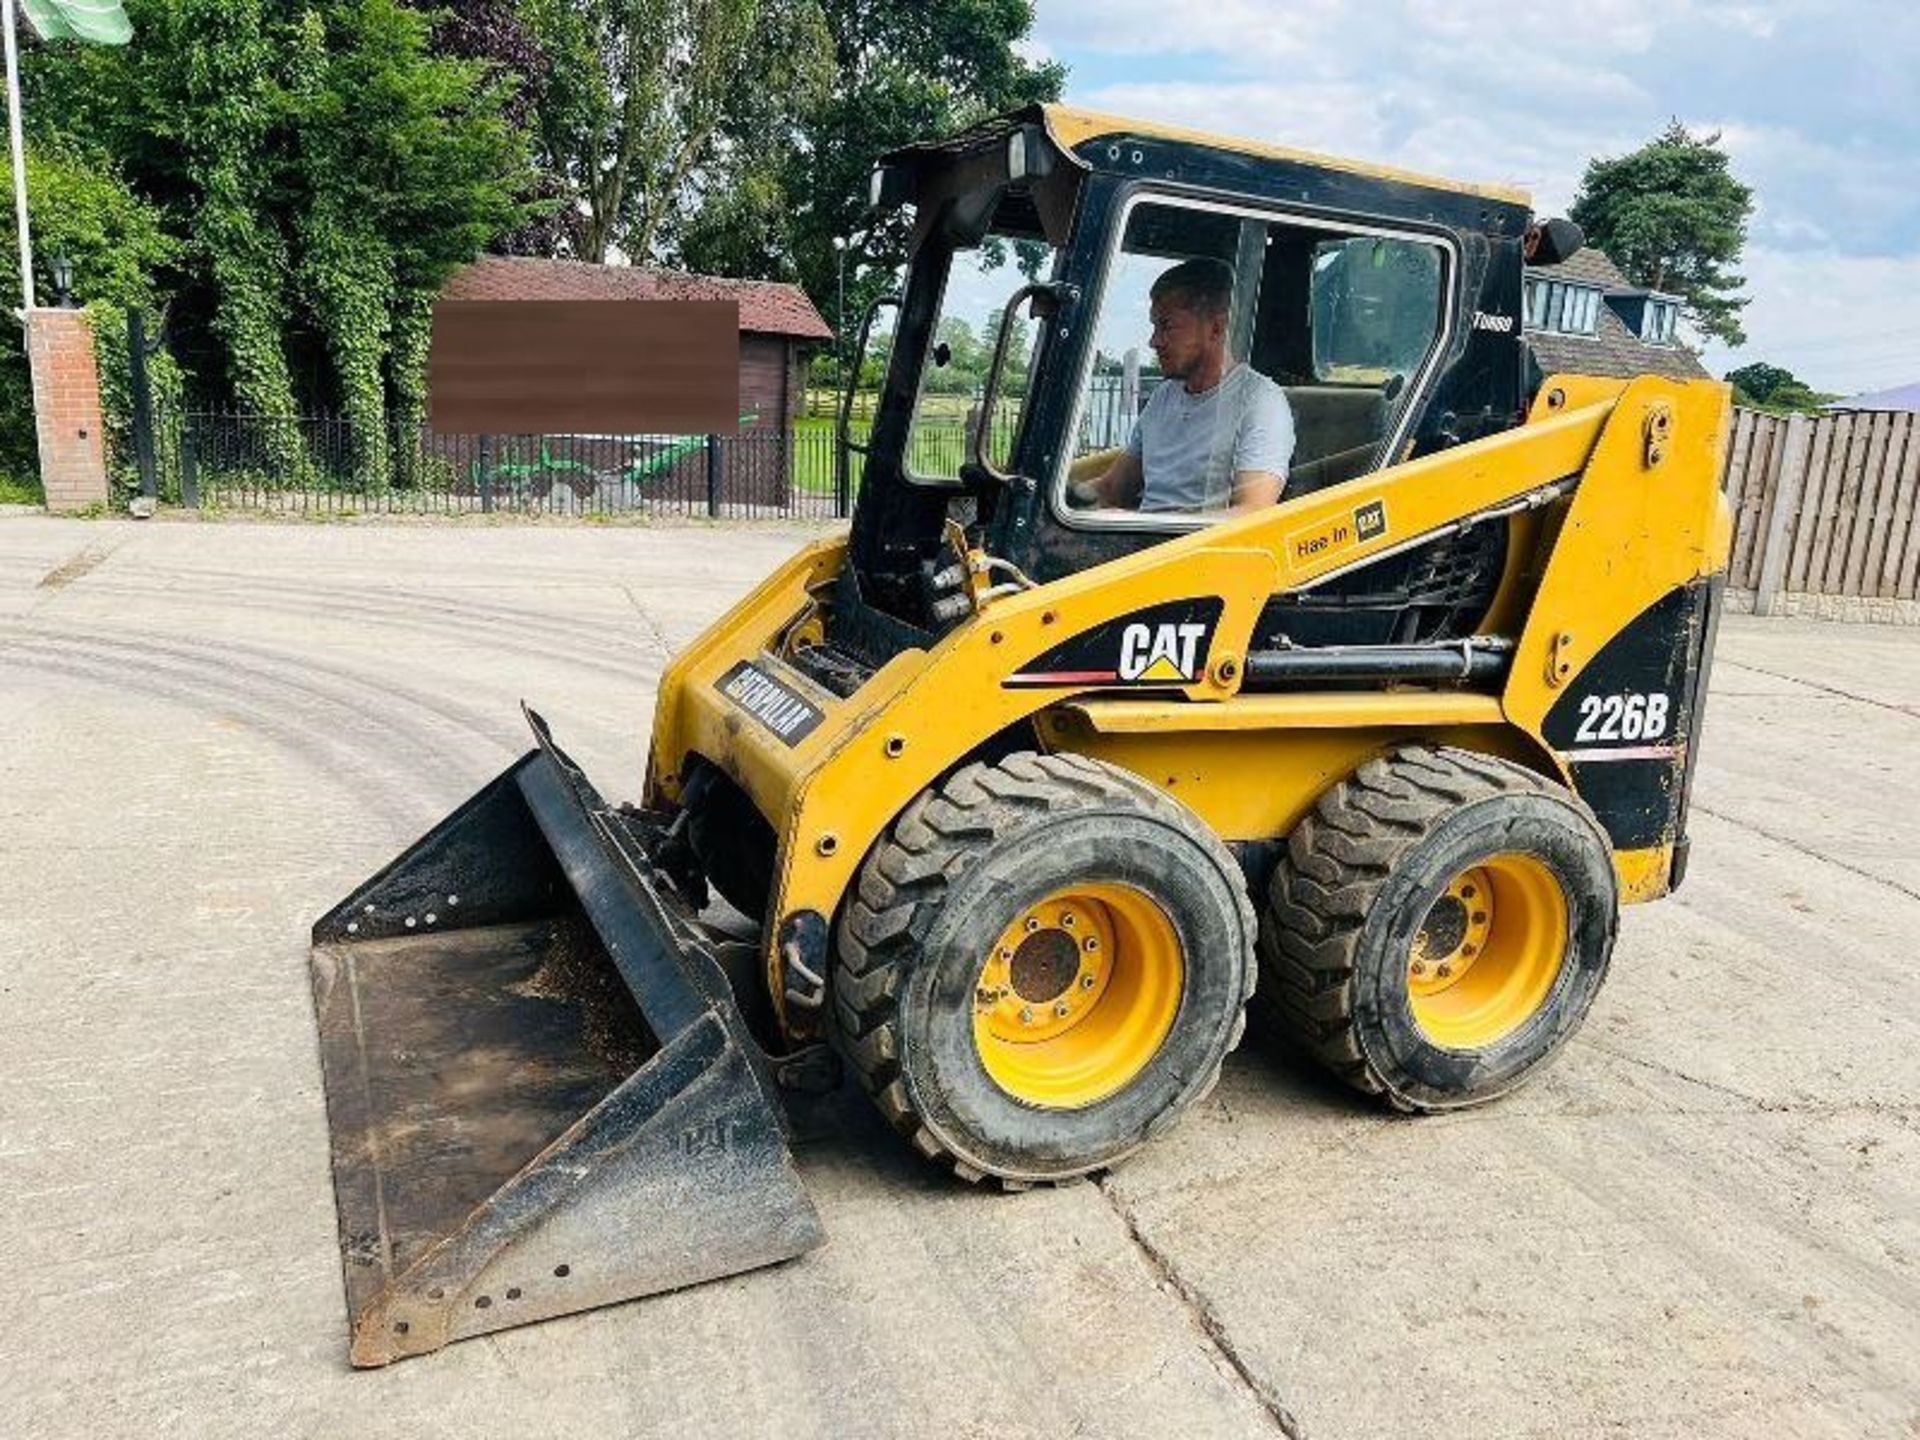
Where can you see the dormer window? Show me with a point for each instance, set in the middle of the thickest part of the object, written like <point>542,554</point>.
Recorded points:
<point>1564,309</point>
<point>1657,325</point>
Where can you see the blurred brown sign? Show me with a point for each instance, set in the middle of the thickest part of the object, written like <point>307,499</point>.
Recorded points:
<point>547,367</point>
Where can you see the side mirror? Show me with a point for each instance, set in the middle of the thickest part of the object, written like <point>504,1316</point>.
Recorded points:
<point>1548,242</point>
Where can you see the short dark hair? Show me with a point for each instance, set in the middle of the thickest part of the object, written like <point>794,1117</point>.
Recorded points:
<point>1204,286</point>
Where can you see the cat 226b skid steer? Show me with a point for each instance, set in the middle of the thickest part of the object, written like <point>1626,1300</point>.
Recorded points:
<point>1024,792</point>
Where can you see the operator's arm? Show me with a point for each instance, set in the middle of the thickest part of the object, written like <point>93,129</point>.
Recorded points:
<point>1263,449</point>
<point>1254,489</point>
<point>1116,487</point>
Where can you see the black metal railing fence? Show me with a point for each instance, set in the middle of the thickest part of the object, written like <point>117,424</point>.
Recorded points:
<point>224,459</point>
<point>227,459</point>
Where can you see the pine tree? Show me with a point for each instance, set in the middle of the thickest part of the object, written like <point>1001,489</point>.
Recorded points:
<point>1673,217</point>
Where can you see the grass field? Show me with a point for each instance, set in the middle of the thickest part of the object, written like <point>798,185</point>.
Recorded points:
<point>15,490</point>
<point>938,445</point>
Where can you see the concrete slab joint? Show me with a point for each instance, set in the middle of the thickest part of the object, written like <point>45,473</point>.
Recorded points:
<point>68,420</point>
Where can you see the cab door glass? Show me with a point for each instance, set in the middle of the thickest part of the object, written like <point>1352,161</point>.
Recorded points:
<point>1321,340</point>
<point>1126,369</point>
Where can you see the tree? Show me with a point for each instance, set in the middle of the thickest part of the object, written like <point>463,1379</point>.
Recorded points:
<point>1761,386</point>
<point>904,71</point>
<point>321,169</point>
<point>1673,217</point>
<point>404,167</point>
<point>497,33</point>
<point>82,210</point>
<point>186,115</point>
<point>640,92</point>
<point>733,218</point>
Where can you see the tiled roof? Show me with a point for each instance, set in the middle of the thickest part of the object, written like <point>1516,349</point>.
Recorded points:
<point>766,307</point>
<point>1613,349</point>
<point>1588,266</point>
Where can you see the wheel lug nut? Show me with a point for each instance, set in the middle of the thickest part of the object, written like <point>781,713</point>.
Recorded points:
<point>1063,1010</point>
<point>1091,944</point>
<point>1026,1015</point>
<point>1087,982</point>
<point>1006,954</point>
<point>1068,919</point>
<point>1032,924</point>
<point>1446,972</point>
<point>1419,968</point>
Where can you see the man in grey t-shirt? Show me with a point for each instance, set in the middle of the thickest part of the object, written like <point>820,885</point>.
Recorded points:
<point>1215,435</point>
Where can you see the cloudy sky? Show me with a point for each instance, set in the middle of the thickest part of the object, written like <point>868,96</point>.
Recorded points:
<point>1818,105</point>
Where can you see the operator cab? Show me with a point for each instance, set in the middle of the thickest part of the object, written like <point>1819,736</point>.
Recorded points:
<point>1386,307</point>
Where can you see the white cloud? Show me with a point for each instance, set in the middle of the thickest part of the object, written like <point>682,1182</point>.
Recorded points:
<point>1808,188</point>
<point>1816,102</point>
<point>1244,28</point>
<point>1841,322</point>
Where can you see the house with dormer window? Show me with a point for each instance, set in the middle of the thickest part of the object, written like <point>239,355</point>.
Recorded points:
<point>1584,317</point>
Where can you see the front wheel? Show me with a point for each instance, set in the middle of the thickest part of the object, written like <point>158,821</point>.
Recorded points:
<point>1046,962</point>
<point>1439,926</point>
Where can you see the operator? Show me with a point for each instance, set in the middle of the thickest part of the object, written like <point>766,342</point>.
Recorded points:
<point>1216,434</point>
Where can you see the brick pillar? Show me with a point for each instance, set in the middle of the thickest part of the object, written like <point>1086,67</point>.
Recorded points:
<point>66,407</point>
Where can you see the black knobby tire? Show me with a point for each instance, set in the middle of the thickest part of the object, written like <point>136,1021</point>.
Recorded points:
<point>1361,874</point>
<point>961,863</point>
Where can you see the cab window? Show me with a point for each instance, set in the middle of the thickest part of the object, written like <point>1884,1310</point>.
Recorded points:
<point>1322,339</point>
<point>953,375</point>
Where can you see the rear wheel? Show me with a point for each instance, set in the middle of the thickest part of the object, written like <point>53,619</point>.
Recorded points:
<point>1439,926</point>
<point>1046,962</point>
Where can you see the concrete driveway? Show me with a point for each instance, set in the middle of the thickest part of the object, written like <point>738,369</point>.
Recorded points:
<point>1704,1221</point>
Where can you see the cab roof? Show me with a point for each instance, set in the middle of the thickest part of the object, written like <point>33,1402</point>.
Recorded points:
<point>1070,127</point>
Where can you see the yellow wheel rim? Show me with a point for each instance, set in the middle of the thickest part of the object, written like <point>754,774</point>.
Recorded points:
<point>1077,995</point>
<point>1488,953</point>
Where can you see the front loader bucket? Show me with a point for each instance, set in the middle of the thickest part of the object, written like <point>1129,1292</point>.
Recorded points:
<point>541,1093</point>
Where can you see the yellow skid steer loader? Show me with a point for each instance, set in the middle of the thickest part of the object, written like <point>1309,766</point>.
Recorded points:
<point>1024,788</point>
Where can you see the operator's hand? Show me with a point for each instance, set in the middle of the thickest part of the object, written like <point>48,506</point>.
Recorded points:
<point>1116,487</point>
<point>1084,494</point>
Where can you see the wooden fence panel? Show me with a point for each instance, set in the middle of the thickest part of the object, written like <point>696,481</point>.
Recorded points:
<point>1835,578</point>
<point>1895,507</point>
<point>1886,477</point>
<point>1826,504</point>
<point>1764,482</point>
<point>1740,492</point>
<point>1874,456</point>
<point>1903,505</point>
<point>1866,515</point>
<point>1904,578</point>
<point>1852,498</point>
<point>1832,510</point>
<point>1813,500</point>
<point>1787,484</point>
